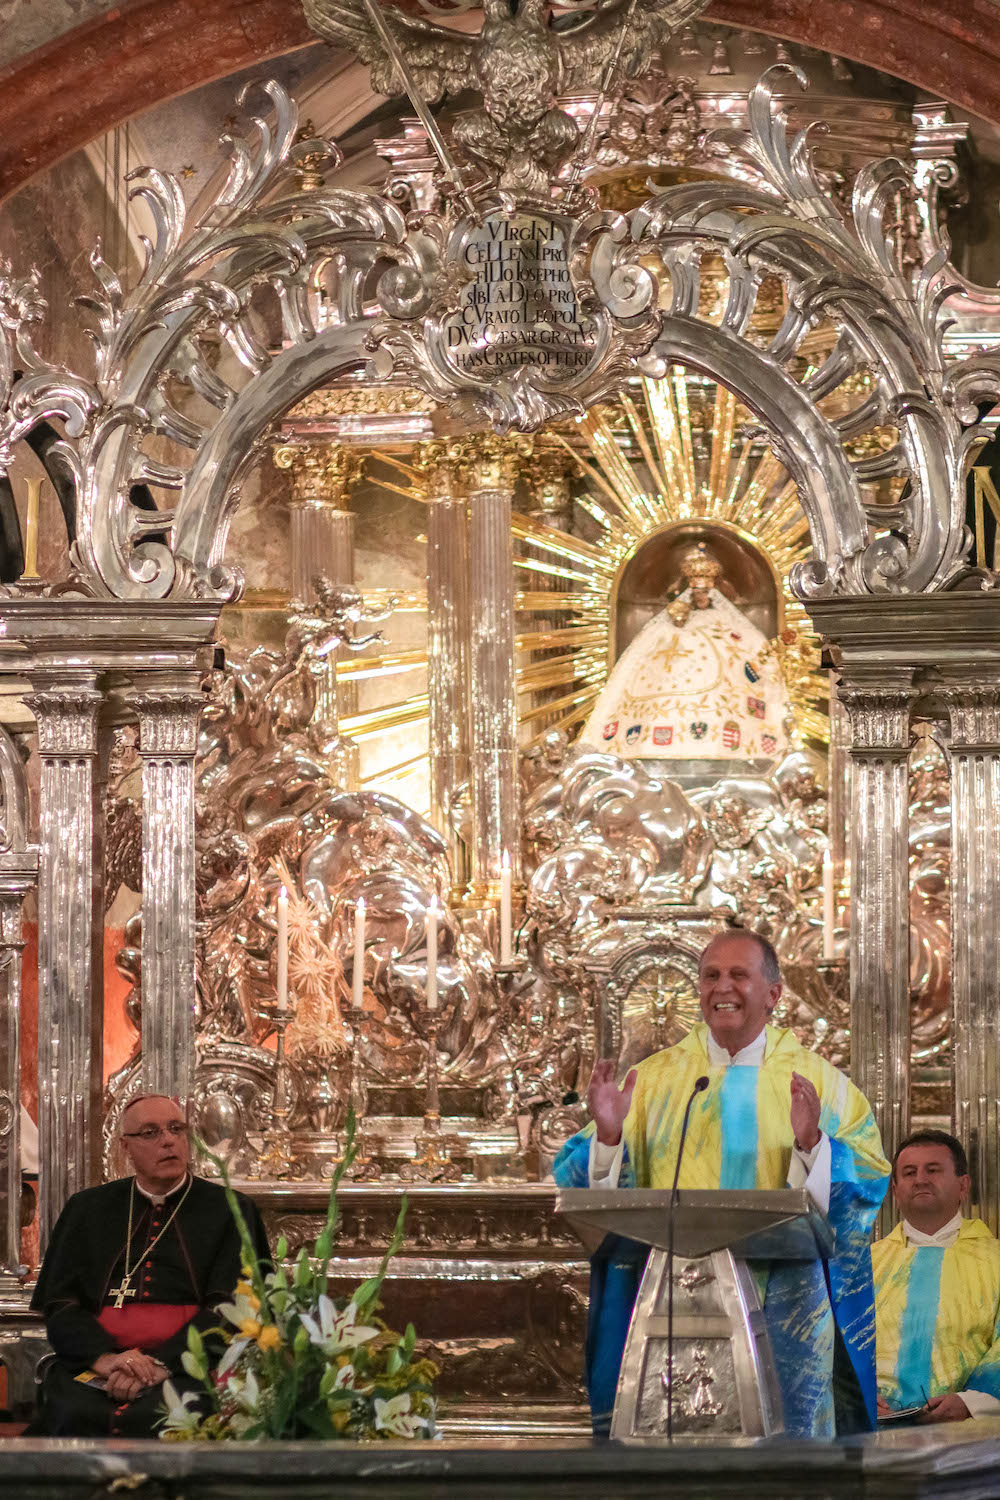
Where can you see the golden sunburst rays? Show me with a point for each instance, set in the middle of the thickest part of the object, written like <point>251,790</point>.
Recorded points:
<point>671,451</point>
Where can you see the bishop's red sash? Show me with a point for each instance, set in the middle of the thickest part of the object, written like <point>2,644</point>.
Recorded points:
<point>146,1325</point>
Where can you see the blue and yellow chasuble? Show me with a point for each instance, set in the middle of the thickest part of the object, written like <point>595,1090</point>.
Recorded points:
<point>937,1316</point>
<point>820,1315</point>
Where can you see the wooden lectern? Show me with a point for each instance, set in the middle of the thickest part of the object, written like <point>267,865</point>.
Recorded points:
<point>724,1377</point>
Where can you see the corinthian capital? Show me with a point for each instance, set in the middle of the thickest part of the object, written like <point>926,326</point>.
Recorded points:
<point>66,719</point>
<point>547,473</point>
<point>879,713</point>
<point>494,463</point>
<point>973,714</point>
<point>168,721</point>
<point>322,473</point>
<point>441,462</point>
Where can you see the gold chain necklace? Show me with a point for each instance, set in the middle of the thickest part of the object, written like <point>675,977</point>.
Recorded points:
<point>123,1289</point>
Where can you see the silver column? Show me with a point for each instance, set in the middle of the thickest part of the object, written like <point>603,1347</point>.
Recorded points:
<point>493,469</point>
<point>322,527</point>
<point>839,801</point>
<point>447,643</point>
<point>973,738</point>
<point>168,738</point>
<point>18,874</point>
<point>879,712</point>
<point>322,544</point>
<point>70,983</point>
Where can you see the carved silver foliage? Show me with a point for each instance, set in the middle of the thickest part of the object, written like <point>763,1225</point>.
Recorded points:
<point>158,351</point>
<point>169,352</point>
<point>846,269</point>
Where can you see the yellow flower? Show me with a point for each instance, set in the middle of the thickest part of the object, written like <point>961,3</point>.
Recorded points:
<point>269,1337</point>
<point>341,1418</point>
<point>250,1328</point>
<point>246,1291</point>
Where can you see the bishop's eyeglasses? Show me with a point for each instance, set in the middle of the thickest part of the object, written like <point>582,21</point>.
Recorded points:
<point>152,1132</point>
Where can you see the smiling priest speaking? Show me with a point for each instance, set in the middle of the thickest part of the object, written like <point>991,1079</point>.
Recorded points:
<point>130,1266</point>
<point>774,1114</point>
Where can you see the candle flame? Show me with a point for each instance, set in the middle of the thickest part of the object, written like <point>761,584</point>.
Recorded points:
<point>361,904</point>
<point>505,859</point>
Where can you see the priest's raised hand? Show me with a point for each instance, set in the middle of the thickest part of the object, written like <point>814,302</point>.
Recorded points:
<point>774,1115</point>
<point>609,1104</point>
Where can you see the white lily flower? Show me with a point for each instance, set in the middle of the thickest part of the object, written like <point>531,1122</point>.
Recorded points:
<point>244,1308</point>
<point>396,1417</point>
<point>244,1390</point>
<point>231,1356</point>
<point>336,1331</point>
<point>180,1416</point>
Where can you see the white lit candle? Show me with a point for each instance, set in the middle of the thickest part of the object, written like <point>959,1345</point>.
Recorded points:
<point>829,908</point>
<point>506,926</point>
<point>283,949</point>
<point>358,975</point>
<point>432,954</point>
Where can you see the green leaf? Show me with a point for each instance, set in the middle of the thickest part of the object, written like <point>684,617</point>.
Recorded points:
<point>317,1420</point>
<point>247,1250</point>
<point>281,1249</point>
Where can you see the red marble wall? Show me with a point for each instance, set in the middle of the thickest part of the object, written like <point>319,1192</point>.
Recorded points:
<point>119,1035</point>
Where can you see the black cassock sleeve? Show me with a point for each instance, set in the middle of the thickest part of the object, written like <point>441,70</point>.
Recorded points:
<point>221,1276</point>
<point>198,1262</point>
<point>61,1296</point>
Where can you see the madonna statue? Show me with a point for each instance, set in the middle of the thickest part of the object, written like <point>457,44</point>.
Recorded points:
<point>697,684</point>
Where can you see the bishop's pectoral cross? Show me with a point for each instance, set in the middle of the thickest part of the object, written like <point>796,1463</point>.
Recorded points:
<point>121,1292</point>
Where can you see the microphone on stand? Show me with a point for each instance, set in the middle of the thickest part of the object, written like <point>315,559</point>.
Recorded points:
<point>700,1085</point>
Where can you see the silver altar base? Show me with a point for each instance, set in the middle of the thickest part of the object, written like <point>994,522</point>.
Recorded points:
<point>725,1381</point>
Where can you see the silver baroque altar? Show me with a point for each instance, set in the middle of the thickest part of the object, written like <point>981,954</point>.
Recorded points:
<point>833,465</point>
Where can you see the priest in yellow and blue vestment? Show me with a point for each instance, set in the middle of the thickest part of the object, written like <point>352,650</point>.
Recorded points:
<point>774,1114</point>
<point>937,1290</point>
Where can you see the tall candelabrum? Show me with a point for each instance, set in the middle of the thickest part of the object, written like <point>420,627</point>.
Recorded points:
<point>434,1154</point>
<point>275,1159</point>
<point>365,1166</point>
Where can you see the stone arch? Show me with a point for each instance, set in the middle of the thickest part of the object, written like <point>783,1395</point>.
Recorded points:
<point>151,50</point>
<point>394,291</point>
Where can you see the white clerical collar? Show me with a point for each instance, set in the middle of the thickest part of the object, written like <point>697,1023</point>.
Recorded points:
<point>941,1239</point>
<point>158,1199</point>
<point>750,1056</point>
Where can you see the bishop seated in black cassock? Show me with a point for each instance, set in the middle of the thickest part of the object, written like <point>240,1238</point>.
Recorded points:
<point>130,1266</point>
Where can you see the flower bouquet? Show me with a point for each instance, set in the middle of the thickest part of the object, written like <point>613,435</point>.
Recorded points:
<point>298,1363</point>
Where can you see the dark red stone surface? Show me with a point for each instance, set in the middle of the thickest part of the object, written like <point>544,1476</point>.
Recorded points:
<point>77,87</point>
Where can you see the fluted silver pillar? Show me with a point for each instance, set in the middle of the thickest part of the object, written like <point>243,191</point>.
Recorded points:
<point>168,738</point>
<point>493,472</point>
<point>447,644</point>
<point>70,982</point>
<point>839,802</point>
<point>879,713</point>
<point>18,873</point>
<point>322,544</point>
<point>973,737</point>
